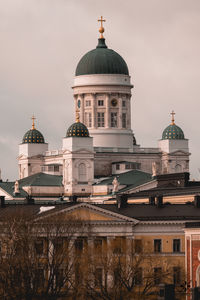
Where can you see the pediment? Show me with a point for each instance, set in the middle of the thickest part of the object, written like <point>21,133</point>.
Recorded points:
<point>179,152</point>
<point>89,213</point>
<point>82,150</point>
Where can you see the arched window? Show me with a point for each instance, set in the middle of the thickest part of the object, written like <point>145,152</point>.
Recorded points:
<point>82,173</point>
<point>178,168</point>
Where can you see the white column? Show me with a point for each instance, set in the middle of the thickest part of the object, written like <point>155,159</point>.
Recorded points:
<point>75,105</point>
<point>128,108</point>
<point>120,112</point>
<point>81,97</point>
<point>107,115</point>
<point>93,110</point>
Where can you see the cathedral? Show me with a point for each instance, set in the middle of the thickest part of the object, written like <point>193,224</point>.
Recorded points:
<point>100,145</point>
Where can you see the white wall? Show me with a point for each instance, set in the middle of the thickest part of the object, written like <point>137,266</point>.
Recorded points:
<point>102,79</point>
<point>77,143</point>
<point>32,149</point>
<point>169,146</point>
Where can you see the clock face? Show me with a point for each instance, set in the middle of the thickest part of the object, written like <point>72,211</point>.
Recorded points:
<point>79,103</point>
<point>114,102</point>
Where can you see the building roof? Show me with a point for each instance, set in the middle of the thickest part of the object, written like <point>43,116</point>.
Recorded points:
<point>146,212</point>
<point>141,212</point>
<point>101,61</point>
<point>33,136</point>
<point>41,179</point>
<point>77,129</point>
<point>8,187</point>
<point>173,132</point>
<point>131,178</point>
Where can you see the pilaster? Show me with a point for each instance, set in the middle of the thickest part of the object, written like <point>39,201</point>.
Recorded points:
<point>120,112</point>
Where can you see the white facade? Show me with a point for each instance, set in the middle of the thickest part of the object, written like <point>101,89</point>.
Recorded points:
<point>104,105</point>
<point>78,165</point>
<point>105,108</point>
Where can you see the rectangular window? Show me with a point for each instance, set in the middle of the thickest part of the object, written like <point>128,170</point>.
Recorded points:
<point>119,245</point>
<point>176,245</point>
<point>138,246</point>
<point>157,275</point>
<point>100,103</point>
<point>40,277</point>
<point>98,277</point>
<point>79,244</point>
<point>123,120</point>
<point>100,119</point>
<point>88,103</point>
<point>39,247</point>
<point>157,246</point>
<point>88,119</point>
<point>56,168</point>
<point>129,166</point>
<point>117,275</point>
<point>98,245</point>
<point>59,274</point>
<point>176,275</point>
<point>113,119</point>
<point>138,276</point>
<point>123,103</point>
<point>58,246</point>
<point>117,166</point>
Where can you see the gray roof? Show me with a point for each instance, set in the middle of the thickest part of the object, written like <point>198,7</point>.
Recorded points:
<point>152,212</point>
<point>39,179</point>
<point>141,212</point>
<point>131,178</point>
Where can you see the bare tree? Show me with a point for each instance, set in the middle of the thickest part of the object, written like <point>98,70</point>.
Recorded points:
<point>119,271</point>
<point>62,258</point>
<point>37,259</point>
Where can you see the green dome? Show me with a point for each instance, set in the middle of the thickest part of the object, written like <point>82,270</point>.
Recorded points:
<point>173,132</point>
<point>101,61</point>
<point>77,129</point>
<point>33,136</point>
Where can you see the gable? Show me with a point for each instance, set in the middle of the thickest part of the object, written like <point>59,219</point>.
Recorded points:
<point>89,212</point>
<point>89,215</point>
<point>178,152</point>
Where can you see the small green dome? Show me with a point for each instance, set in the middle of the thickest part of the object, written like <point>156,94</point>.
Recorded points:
<point>173,132</point>
<point>101,61</point>
<point>77,129</point>
<point>33,136</point>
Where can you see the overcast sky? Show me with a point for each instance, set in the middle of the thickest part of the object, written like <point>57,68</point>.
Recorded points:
<point>41,42</point>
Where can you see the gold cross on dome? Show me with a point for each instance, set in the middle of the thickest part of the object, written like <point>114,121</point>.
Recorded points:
<point>172,114</point>
<point>101,29</point>
<point>33,121</point>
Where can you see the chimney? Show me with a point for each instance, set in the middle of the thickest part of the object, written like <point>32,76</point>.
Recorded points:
<point>159,201</point>
<point>2,198</point>
<point>197,201</point>
<point>152,200</point>
<point>118,201</point>
<point>30,200</point>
